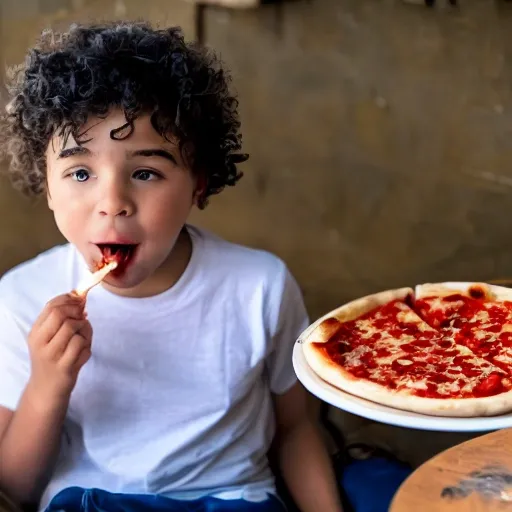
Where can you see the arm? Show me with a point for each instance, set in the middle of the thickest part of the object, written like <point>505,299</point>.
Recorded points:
<point>303,456</point>
<point>29,443</point>
<point>59,345</point>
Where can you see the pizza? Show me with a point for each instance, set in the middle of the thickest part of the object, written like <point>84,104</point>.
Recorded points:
<point>440,349</point>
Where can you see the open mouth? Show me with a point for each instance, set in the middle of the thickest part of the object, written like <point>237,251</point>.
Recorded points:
<point>122,254</point>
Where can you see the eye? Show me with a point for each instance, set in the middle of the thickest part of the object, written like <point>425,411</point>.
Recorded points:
<point>80,175</point>
<point>145,175</point>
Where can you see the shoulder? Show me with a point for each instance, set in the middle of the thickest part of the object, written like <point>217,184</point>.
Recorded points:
<point>256,277</point>
<point>32,283</point>
<point>239,262</point>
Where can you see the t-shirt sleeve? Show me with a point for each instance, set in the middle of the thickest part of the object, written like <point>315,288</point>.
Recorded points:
<point>288,318</point>
<point>14,360</point>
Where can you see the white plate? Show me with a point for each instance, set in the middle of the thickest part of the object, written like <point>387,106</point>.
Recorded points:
<point>383,414</point>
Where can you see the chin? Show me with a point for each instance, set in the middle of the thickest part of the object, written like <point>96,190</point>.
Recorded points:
<point>128,278</point>
<point>124,281</point>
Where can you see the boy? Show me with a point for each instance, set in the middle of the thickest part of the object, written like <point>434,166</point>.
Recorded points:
<point>173,402</point>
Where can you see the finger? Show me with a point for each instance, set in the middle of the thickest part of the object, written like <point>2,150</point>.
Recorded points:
<point>76,351</point>
<point>57,302</point>
<point>82,358</point>
<point>54,321</point>
<point>64,299</point>
<point>58,344</point>
<point>86,332</point>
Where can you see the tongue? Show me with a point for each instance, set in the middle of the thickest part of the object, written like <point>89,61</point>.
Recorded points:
<point>118,253</point>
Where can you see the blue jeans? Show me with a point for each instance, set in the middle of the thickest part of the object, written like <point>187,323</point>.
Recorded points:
<point>76,499</point>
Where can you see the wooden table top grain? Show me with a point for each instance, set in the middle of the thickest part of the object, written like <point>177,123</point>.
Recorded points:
<point>475,476</point>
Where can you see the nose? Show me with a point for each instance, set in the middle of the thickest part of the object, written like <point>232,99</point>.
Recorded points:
<point>115,200</point>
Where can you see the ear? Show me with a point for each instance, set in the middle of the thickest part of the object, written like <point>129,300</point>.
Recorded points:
<point>199,189</point>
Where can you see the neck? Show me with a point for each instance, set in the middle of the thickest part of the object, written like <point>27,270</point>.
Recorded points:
<point>164,277</point>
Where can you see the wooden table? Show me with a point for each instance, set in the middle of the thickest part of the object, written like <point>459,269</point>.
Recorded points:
<point>475,476</point>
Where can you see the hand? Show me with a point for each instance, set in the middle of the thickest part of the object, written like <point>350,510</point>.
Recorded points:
<point>59,344</point>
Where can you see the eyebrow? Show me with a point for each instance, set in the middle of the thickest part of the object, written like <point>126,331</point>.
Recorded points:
<point>77,150</point>
<point>162,153</point>
<point>81,150</point>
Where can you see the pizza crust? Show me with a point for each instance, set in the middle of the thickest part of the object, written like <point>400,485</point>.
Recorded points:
<point>401,399</point>
<point>323,328</point>
<point>490,291</point>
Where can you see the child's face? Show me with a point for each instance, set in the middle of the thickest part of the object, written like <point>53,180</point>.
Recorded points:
<point>135,191</point>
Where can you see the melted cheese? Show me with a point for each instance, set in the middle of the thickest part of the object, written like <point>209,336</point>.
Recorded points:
<point>463,351</point>
<point>353,358</point>
<point>480,335</point>
<point>419,384</point>
<point>504,358</point>
<point>367,330</point>
<point>439,304</point>
<point>507,328</point>
<point>481,316</point>
<point>408,316</point>
<point>446,388</point>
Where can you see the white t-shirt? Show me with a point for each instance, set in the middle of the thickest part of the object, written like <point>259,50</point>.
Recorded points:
<point>176,398</point>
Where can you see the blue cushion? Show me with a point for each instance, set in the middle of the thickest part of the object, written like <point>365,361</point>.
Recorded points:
<point>369,485</point>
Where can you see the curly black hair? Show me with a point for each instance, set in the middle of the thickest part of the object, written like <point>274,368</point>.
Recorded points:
<point>88,70</point>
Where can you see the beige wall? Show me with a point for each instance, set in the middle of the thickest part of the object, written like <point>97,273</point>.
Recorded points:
<point>380,136</point>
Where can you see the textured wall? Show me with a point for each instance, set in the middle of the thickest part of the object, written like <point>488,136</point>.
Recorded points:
<point>380,142</point>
